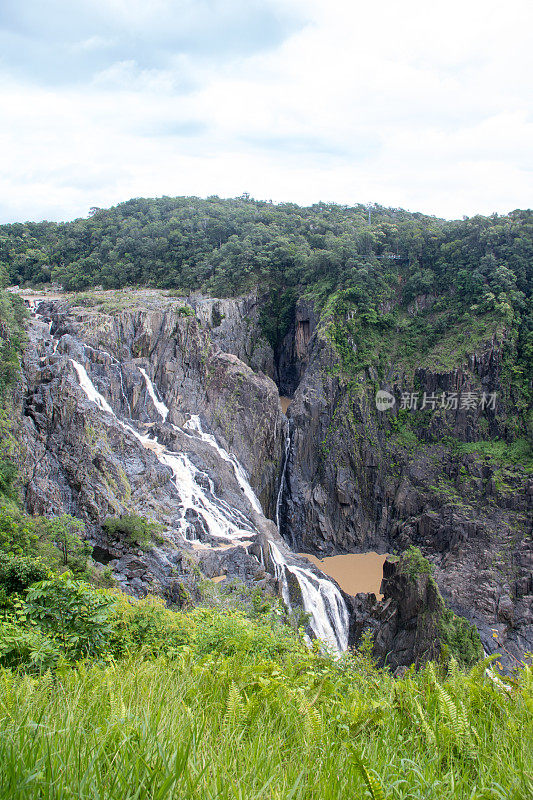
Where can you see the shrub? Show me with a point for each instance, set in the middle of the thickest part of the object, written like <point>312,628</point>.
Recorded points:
<point>185,311</point>
<point>232,633</point>
<point>148,625</point>
<point>17,531</point>
<point>73,613</point>
<point>64,532</point>
<point>19,572</point>
<point>8,477</point>
<point>460,639</point>
<point>26,648</point>
<point>134,529</point>
<point>414,563</point>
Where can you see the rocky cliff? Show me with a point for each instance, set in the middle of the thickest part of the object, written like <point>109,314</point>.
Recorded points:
<point>127,407</point>
<point>360,479</point>
<point>109,450</point>
<point>356,478</point>
<point>411,624</point>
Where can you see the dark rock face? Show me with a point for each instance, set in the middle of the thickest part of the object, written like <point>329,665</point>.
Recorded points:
<point>296,347</point>
<point>85,460</point>
<point>234,326</point>
<point>192,374</point>
<point>357,482</point>
<point>405,624</point>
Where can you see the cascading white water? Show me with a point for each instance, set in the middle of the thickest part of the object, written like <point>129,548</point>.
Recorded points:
<point>321,599</point>
<point>90,389</point>
<point>329,619</point>
<point>195,425</point>
<point>279,498</point>
<point>221,521</point>
<point>160,406</point>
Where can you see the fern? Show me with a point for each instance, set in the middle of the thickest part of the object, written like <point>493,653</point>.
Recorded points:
<point>480,669</point>
<point>373,785</point>
<point>235,705</point>
<point>426,727</point>
<point>453,671</point>
<point>311,717</point>
<point>457,721</point>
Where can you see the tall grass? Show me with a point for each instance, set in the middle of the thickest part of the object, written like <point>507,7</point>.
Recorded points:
<point>250,726</point>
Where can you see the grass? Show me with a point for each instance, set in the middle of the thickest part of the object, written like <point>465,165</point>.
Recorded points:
<point>222,726</point>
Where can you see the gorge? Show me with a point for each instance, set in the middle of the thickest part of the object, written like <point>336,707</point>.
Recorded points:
<point>152,374</point>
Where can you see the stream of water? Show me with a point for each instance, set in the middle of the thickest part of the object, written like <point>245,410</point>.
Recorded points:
<point>320,597</point>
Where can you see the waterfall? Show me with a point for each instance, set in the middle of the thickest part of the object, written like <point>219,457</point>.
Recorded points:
<point>161,407</point>
<point>90,389</point>
<point>279,498</point>
<point>195,425</point>
<point>220,519</point>
<point>329,619</point>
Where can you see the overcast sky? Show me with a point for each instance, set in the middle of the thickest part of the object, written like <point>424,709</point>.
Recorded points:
<point>415,104</point>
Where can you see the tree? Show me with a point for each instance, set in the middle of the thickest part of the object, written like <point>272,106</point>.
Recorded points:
<point>65,532</point>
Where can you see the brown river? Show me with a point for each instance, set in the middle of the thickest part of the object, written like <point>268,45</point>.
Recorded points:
<point>355,572</point>
<point>285,403</point>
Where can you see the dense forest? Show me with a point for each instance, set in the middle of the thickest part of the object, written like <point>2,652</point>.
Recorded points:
<point>369,258</point>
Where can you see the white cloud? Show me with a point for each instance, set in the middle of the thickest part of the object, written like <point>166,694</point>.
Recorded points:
<point>411,104</point>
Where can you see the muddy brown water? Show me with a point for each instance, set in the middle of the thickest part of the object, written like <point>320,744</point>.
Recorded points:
<point>285,403</point>
<point>354,572</point>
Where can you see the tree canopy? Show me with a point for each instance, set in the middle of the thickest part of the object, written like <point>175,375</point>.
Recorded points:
<point>230,246</point>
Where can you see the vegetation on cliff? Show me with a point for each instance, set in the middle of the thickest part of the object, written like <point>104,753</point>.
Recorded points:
<point>12,335</point>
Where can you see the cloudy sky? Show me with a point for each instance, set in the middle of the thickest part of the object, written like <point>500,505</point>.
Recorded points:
<point>415,104</point>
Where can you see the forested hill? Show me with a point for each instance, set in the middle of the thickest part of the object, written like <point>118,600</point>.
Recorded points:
<point>227,247</point>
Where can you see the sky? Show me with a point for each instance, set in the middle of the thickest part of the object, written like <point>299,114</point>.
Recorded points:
<point>419,105</point>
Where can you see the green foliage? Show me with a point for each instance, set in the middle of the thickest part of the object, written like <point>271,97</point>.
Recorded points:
<point>17,573</point>
<point>229,246</point>
<point>133,528</point>
<point>17,531</point>
<point>8,480</point>
<point>64,532</point>
<point>72,613</point>
<point>295,725</point>
<point>27,647</point>
<point>232,634</point>
<point>254,708</point>
<point>460,639</point>
<point>55,542</point>
<point>12,336</point>
<point>414,564</point>
<point>276,315</point>
<point>519,452</point>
